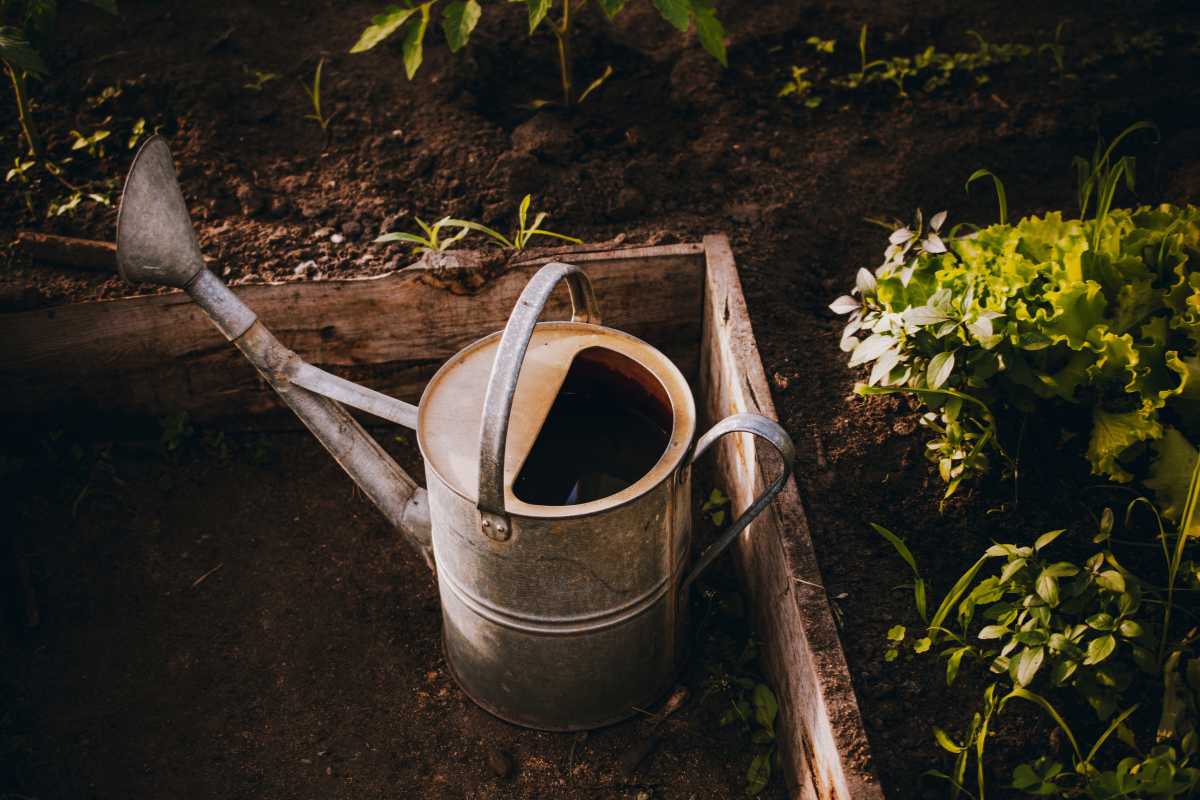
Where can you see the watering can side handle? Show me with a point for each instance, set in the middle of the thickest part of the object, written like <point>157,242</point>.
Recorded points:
<point>502,385</point>
<point>763,428</point>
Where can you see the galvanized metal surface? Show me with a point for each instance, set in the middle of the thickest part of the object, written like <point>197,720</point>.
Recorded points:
<point>498,399</point>
<point>571,616</point>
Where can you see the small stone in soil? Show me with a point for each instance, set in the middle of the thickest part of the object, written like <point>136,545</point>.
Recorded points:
<point>323,233</point>
<point>499,762</point>
<point>352,229</point>
<point>249,199</point>
<point>337,238</point>
<point>305,269</point>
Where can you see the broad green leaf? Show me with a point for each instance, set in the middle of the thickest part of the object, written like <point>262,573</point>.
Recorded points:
<point>459,19</point>
<point>709,30</point>
<point>896,633</point>
<point>759,774</point>
<point>414,42</point>
<point>537,12</point>
<point>382,27</point>
<point>1100,649</point>
<point>1047,588</point>
<point>765,706</point>
<point>940,368</point>
<point>872,348</point>
<point>676,12</point>
<point>1028,664</point>
<point>1112,580</point>
<point>993,632</point>
<point>1046,538</point>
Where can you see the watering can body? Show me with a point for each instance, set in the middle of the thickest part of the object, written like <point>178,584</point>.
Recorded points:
<point>559,617</point>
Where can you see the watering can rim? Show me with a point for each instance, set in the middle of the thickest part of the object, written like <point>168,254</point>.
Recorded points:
<point>683,431</point>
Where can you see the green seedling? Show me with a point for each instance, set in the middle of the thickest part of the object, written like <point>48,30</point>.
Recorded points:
<point>93,144</point>
<point>258,79</point>
<point>430,239</point>
<point>459,19</point>
<point>524,231</point>
<point>1057,51</point>
<point>313,92</point>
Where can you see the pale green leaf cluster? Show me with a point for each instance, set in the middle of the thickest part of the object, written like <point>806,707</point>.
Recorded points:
<point>1103,315</point>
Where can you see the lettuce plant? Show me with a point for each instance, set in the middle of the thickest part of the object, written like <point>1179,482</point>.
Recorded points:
<point>1101,314</point>
<point>459,18</point>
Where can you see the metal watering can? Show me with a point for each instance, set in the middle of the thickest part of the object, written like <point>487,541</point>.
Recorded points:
<point>563,592</point>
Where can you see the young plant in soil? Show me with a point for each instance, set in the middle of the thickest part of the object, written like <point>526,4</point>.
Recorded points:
<point>459,18</point>
<point>1087,635</point>
<point>431,240</point>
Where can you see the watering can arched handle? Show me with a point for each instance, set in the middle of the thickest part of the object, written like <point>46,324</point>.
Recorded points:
<point>763,428</point>
<point>502,385</point>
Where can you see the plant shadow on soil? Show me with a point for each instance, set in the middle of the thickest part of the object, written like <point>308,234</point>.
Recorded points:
<point>257,629</point>
<point>672,148</point>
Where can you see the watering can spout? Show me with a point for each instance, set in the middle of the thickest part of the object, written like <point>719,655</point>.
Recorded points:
<point>156,244</point>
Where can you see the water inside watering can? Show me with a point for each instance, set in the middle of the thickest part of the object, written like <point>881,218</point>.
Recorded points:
<point>609,425</point>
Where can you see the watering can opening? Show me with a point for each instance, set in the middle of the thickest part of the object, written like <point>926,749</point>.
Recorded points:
<point>608,426</point>
<point>598,419</point>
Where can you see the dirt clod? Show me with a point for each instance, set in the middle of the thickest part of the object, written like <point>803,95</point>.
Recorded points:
<point>499,762</point>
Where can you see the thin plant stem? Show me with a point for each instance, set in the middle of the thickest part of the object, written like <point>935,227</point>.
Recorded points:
<point>562,33</point>
<point>24,117</point>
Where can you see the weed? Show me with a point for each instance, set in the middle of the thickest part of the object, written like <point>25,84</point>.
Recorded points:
<point>524,231</point>
<point>431,240</point>
<point>259,79</point>
<point>93,144</point>
<point>313,92</point>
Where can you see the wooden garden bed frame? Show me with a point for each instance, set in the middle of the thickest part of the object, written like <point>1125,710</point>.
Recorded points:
<point>158,354</point>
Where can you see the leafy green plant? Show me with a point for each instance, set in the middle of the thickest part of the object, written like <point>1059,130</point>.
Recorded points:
<point>25,29</point>
<point>752,707</point>
<point>313,92</point>
<point>1083,630</point>
<point>460,17</point>
<point>1093,313</point>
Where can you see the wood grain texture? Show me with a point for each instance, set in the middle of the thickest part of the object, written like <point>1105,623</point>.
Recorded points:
<point>823,743</point>
<point>159,354</point>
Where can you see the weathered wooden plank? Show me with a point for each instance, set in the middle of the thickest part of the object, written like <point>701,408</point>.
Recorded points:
<point>824,747</point>
<point>159,354</point>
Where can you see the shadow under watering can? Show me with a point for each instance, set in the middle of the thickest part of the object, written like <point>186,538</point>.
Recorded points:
<point>558,457</point>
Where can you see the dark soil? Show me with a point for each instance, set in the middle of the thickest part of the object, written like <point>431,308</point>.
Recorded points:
<point>232,619</point>
<point>671,148</point>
